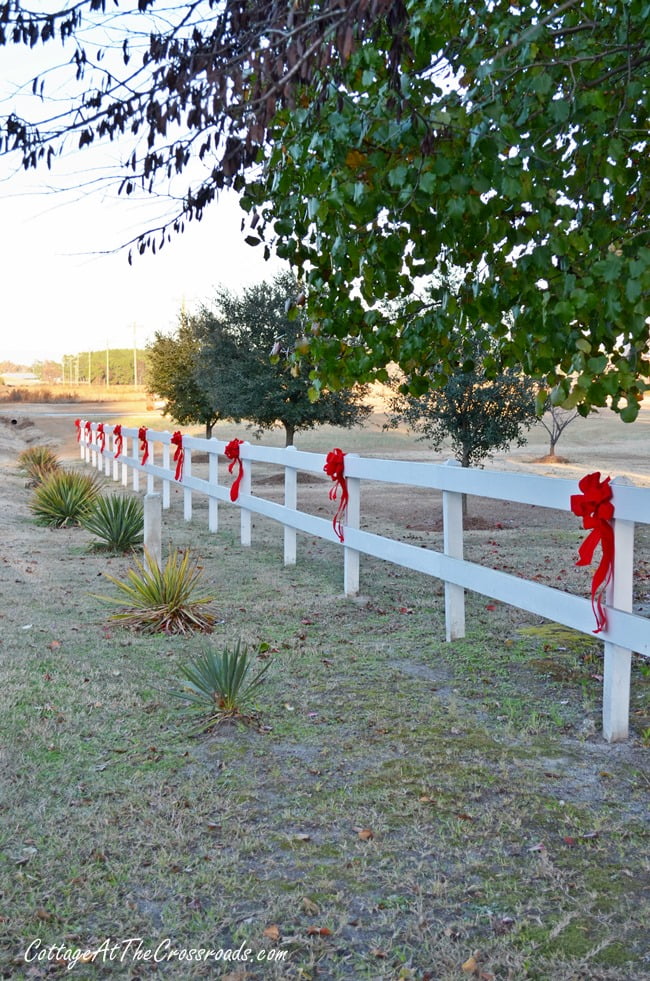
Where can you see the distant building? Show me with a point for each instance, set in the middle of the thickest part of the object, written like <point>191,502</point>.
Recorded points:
<point>15,379</point>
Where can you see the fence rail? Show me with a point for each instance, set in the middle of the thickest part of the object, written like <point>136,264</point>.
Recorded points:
<point>626,632</point>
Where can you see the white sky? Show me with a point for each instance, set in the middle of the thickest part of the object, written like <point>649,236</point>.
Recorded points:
<point>58,293</point>
<point>57,297</point>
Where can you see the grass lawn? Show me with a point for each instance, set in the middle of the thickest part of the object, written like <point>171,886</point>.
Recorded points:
<point>404,808</point>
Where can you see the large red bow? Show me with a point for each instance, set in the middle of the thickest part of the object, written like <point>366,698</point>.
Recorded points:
<point>594,506</point>
<point>179,455</point>
<point>144,445</point>
<point>101,436</point>
<point>232,453</point>
<point>334,468</point>
<point>88,430</point>
<point>117,434</point>
<point>77,423</point>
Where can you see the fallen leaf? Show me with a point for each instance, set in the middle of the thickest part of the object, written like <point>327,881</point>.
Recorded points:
<point>464,817</point>
<point>378,952</point>
<point>365,834</point>
<point>53,645</point>
<point>314,931</point>
<point>272,932</point>
<point>471,965</point>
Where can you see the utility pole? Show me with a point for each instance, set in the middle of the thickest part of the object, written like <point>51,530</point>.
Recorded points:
<point>89,368</point>
<point>107,366</point>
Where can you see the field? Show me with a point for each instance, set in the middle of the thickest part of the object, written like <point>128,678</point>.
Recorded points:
<point>401,809</point>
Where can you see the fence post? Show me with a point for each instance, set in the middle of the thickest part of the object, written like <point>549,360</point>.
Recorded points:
<point>352,520</point>
<point>187,491</point>
<point>82,441</point>
<point>213,480</point>
<point>165,483</point>
<point>150,476</point>
<point>245,515</point>
<point>618,660</point>
<point>125,452</point>
<point>152,530</point>
<point>116,463</point>
<point>107,455</point>
<point>452,522</point>
<point>291,503</point>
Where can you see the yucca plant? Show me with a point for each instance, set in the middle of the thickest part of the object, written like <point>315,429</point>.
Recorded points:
<point>38,462</point>
<point>221,684</point>
<point>64,498</point>
<point>117,520</point>
<point>163,599</point>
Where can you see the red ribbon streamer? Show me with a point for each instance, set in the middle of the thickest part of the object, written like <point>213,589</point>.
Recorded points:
<point>232,452</point>
<point>179,455</point>
<point>594,506</point>
<point>144,445</point>
<point>77,423</point>
<point>101,436</point>
<point>117,434</point>
<point>334,468</point>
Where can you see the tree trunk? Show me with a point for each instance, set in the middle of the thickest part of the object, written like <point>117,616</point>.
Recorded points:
<point>290,432</point>
<point>208,430</point>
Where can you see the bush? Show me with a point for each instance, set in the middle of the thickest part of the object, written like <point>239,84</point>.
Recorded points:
<point>117,520</point>
<point>63,498</point>
<point>38,463</point>
<point>163,600</point>
<point>220,683</point>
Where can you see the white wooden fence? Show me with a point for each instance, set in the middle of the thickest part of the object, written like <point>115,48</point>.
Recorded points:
<point>626,632</point>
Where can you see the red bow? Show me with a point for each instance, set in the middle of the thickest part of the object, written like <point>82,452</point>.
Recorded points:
<point>594,506</point>
<point>88,429</point>
<point>334,468</point>
<point>77,423</point>
<point>232,452</point>
<point>117,434</point>
<point>144,445</point>
<point>179,455</point>
<point>101,436</point>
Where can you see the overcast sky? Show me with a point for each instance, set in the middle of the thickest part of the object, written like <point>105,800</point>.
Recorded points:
<point>60,297</point>
<point>60,294</point>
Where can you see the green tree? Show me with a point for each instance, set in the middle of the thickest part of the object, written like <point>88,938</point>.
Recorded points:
<point>381,140</point>
<point>171,374</point>
<point>253,378</point>
<point>476,413</point>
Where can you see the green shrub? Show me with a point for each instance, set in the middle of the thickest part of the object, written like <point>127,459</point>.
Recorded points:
<point>117,520</point>
<point>220,683</point>
<point>38,462</point>
<point>163,599</point>
<point>64,498</point>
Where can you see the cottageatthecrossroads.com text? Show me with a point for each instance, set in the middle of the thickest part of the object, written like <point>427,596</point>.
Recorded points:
<point>136,950</point>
